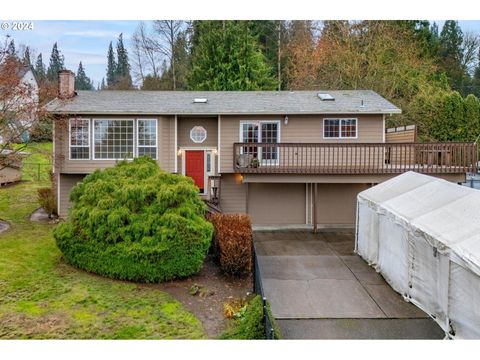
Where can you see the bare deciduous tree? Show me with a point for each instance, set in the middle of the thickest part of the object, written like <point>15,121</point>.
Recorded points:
<point>470,49</point>
<point>168,32</point>
<point>146,56</point>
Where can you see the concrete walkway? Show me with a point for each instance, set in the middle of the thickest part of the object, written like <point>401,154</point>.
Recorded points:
<point>319,289</point>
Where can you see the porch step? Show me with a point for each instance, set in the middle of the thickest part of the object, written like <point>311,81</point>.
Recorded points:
<point>212,209</point>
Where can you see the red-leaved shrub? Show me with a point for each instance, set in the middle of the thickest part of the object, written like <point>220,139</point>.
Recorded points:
<point>233,243</point>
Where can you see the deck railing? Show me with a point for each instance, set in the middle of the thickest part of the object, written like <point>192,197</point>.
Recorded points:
<point>354,158</point>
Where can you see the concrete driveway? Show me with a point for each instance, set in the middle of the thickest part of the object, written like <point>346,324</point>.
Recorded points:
<point>319,289</point>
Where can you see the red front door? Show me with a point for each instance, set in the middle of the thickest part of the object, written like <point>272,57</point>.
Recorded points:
<point>195,167</point>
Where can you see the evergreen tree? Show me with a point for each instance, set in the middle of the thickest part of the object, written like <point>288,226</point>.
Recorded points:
<point>11,49</point>
<point>123,78</point>
<point>56,64</point>
<point>111,67</point>
<point>102,85</point>
<point>40,68</point>
<point>451,53</point>
<point>227,57</point>
<point>26,57</point>
<point>82,82</point>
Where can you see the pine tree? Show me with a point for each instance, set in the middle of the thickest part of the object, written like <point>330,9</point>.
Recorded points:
<point>56,64</point>
<point>450,53</point>
<point>111,67</point>
<point>11,49</point>
<point>122,73</point>
<point>40,68</point>
<point>26,57</point>
<point>82,82</point>
<point>227,57</point>
<point>102,85</point>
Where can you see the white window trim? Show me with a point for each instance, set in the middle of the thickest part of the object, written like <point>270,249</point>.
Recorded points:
<point>196,141</point>
<point>260,122</point>
<point>78,146</point>
<point>340,129</point>
<point>144,146</point>
<point>116,119</point>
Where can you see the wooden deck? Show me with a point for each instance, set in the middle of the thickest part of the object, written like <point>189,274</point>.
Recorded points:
<point>354,158</point>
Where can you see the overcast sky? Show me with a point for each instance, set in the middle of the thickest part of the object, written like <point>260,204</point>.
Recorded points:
<point>87,41</point>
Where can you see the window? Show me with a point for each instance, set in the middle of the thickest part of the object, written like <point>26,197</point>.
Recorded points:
<point>261,132</point>
<point>113,139</point>
<point>79,139</point>
<point>340,128</point>
<point>147,138</point>
<point>198,134</point>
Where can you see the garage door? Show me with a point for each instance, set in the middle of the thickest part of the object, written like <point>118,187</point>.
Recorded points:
<point>276,204</point>
<point>337,203</point>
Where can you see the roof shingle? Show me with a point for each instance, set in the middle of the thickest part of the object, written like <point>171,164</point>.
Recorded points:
<point>222,102</point>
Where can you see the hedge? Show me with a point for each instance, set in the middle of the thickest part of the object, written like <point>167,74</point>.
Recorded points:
<point>233,243</point>
<point>136,222</point>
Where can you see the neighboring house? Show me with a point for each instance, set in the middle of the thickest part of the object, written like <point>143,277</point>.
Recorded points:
<point>23,105</point>
<point>286,158</point>
<point>13,171</point>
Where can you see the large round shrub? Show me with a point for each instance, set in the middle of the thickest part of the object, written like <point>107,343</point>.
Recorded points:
<point>135,222</point>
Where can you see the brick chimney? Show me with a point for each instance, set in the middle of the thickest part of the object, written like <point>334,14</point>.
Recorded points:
<point>66,84</point>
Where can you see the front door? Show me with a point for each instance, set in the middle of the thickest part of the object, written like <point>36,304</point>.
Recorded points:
<point>195,167</point>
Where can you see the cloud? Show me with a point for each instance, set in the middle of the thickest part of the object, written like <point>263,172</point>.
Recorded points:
<point>92,33</point>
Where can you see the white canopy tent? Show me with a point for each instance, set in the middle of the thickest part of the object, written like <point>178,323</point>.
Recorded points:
<point>423,235</point>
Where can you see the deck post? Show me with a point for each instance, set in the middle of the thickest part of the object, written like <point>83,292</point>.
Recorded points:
<point>315,208</point>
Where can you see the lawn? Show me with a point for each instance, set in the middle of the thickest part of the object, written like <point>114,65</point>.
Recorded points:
<point>43,298</point>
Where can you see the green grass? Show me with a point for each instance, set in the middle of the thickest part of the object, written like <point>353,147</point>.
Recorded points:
<point>38,164</point>
<point>43,298</point>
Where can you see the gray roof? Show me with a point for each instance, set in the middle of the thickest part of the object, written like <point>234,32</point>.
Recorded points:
<point>136,102</point>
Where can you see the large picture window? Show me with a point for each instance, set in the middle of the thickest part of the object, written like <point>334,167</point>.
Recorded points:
<point>261,132</point>
<point>147,138</point>
<point>79,130</point>
<point>113,139</point>
<point>340,128</point>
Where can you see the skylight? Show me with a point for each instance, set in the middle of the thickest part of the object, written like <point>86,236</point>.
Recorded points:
<point>200,100</point>
<point>325,97</point>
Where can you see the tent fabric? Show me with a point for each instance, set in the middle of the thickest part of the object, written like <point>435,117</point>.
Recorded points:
<point>423,235</point>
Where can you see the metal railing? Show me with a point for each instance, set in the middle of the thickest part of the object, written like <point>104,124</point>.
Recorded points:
<point>354,158</point>
<point>258,288</point>
<point>38,171</point>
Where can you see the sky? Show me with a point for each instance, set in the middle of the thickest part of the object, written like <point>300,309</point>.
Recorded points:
<point>87,41</point>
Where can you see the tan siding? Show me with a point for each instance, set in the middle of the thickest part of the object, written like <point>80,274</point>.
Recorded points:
<point>300,128</point>
<point>186,124</point>
<point>276,204</point>
<point>67,182</point>
<point>167,153</point>
<point>336,203</point>
<point>233,196</point>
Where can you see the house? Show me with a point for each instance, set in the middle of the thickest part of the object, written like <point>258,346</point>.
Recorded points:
<point>286,158</point>
<point>23,103</point>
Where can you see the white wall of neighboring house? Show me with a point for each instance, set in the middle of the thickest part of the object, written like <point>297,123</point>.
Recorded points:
<point>29,80</point>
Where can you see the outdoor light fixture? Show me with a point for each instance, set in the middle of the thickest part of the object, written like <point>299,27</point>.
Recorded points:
<point>286,119</point>
<point>179,152</point>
